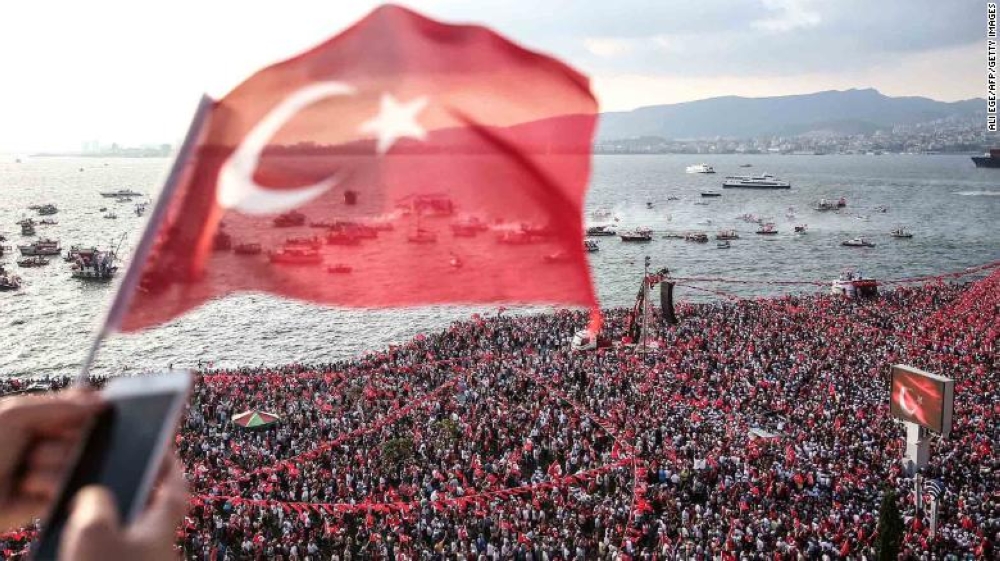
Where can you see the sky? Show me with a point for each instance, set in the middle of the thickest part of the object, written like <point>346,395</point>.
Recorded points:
<point>132,72</point>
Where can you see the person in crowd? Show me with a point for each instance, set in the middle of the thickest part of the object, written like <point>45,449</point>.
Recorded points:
<point>753,429</point>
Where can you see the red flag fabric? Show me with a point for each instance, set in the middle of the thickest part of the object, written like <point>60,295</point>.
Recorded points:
<point>403,162</point>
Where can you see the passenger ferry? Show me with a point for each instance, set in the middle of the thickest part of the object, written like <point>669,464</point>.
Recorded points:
<point>40,247</point>
<point>765,181</point>
<point>121,193</point>
<point>700,168</point>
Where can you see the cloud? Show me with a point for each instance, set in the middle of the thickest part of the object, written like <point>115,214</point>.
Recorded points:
<point>607,48</point>
<point>791,14</point>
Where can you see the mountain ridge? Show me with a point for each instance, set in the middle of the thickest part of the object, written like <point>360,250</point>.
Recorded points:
<point>859,110</point>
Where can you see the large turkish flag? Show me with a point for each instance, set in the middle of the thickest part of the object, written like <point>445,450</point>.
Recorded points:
<point>403,162</point>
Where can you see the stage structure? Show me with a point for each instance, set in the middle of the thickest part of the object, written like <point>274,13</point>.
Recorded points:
<point>637,322</point>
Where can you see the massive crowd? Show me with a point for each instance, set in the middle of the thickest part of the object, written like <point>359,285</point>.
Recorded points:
<point>756,429</point>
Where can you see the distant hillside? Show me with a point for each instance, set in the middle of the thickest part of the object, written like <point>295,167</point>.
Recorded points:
<point>833,112</point>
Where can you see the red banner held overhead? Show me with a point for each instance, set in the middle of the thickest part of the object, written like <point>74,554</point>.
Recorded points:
<point>403,162</point>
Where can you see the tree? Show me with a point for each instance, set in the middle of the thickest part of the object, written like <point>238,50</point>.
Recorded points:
<point>398,450</point>
<point>890,528</point>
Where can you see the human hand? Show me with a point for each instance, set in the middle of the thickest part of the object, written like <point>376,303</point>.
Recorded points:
<point>38,435</point>
<point>94,531</point>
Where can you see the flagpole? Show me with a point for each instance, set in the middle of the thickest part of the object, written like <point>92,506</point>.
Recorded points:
<point>127,287</point>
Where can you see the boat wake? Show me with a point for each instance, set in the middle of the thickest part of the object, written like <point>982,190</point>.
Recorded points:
<point>978,193</point>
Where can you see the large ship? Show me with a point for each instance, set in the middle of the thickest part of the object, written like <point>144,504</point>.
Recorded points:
<point>765,181</point>
<point>990,159</point>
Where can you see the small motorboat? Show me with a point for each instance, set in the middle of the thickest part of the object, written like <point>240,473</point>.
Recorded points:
<point>103,209</point>
<point>746,165</point>
<point>41,247</point>
<point>468,228</point>
<point>314,242</point>
<point>649,204</point>
<point>27,227</point>
<point>47,222</point>
<point>901,233</point>
<point>858,242</point>
<point>222,241</point>
<point>600,231</point>
<point>342,238</point>
<point>248,249</point>
<point>557,257</point>
<point>709,194</point>
<point>46,210</point>
<point>455,262</point>
<point>698,237</point>
<point>339,269</point>
<point>289,219</point>
<point>882,208</point>
<point>724,244</point>
<point>33,261</point>
<point>801,229</point>
<point>296,256</point>
<point>767,229</point>
<point>111,216</point>
<point>9,281</point>
<point>727,235</point>
<point>590,246</point>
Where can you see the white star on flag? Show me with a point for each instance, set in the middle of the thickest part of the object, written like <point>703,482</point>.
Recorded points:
<point>395,120</point>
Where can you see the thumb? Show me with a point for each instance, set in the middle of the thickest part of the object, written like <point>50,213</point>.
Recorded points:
<point>93,523</point>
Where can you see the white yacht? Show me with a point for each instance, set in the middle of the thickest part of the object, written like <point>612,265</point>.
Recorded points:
<point>700,168</point>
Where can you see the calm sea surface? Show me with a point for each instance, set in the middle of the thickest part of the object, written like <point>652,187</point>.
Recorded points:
<point>952,208</point>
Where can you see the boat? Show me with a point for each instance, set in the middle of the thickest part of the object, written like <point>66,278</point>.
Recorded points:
<point>727,235</point>
<point>289,219</point>
<point>638,235</point>
<point>120,193</point>
<point>47,222</point>
<point>801,228</point>
<point>708,194</point>
<point>672,198</point>
<point>468,227</point>
<point>40,247</point>
<point>103,209</point>
<point>9,281</point>
<point>901,233</point>
<point>433,205</point>
<point>751,218</point>
<point>590,246</point>
<point>27,227</point>
<point>359,231</point>
<point>140,209</point>
<point>649,204</point>
<point>422,236</point>
<point>746,165</point>
<point>699,237</point>
<point>601,214</point>
<point>222,241</point>
<point>248,249</point>
<point>123,200</point>
<point>768,229</point>
<point>296,255</point>
<point>46,210</point>
<point>94,265</point>
<point>557,257</point>
<point>826,205</point>
<point>600,231</point>
<point>858,242</point>
<point>33,261</point>
<point>765,181</point>
<point>990,159</point>
<point>339,269</point>
<point>455,262</point>
<point>514,237</point>
<point>314,242</point>
<point>882,208</point>
<point>342,238</point>
<point>854,285</point>
<point>700,168</point>
<point>724,244</point>
<point>111,216</point>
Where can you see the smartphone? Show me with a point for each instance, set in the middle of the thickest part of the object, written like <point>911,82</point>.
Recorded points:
<point>123,450</point>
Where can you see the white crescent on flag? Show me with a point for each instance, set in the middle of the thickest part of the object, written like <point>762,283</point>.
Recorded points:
<point>910,410</point>
<point>236,186</point>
